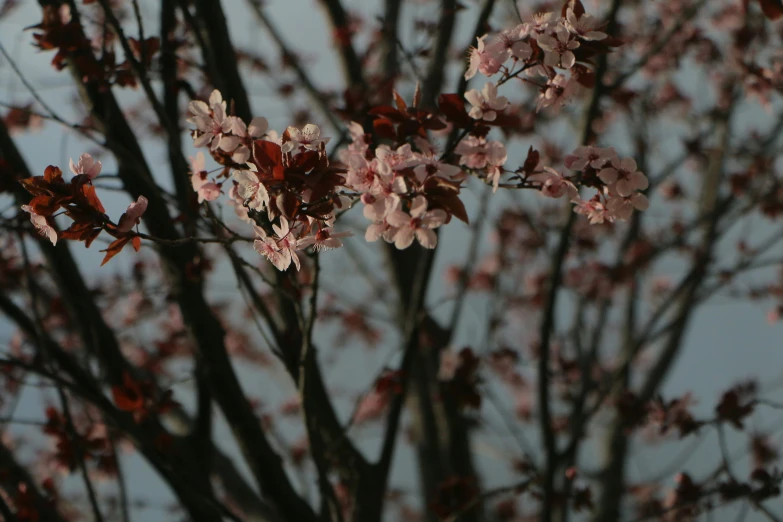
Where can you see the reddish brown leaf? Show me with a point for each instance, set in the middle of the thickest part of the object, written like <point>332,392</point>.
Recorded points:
<point>115,248</point>
<point>91,237</point>
<point>128,397</point>
<point>136,243</point>
<point>453,108</point>
<point>35,186</point>
<point>79,231</point>
<point>399,102</point>
<point>44,205</point>
<point>584,75</point>
<point>288,204</point>
<point>269,158</point>
<point>455,207</point>
<point>53,174</point>
<point>410,128</point>
<point>92,198</point>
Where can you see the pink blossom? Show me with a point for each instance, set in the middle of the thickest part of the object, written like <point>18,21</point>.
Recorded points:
<point>558,48</point>
<point>485,59</point>
<point>207,190</point>
<point>558,91</point>
<point>358,145</point>
<point>623,206</point>
<point>622,178</point>
<point>324,239</point>
<point>238,202</point>
<point>427,163</point>
<point>86,166</point>
<point>251,189</point>
<point>477,153</point>
<point>257,128</point>
<point>362,174</point>
<point>594,210</point>
<point>377,206</point>
<point>309,138</point>
<point>513,44</point>
<point>554,185</point>
<point>394,158</point>
<point>485,103</point>
<point>493,176</point>
<point>540,22</point>
<point>372,406</point>
<point>584,26</point>
<point>281,249</point>
<point>42,224</point>
<point>268,248</point>
<point>378,230</point>
<point>595,157</point>
<point>418,223</point>
<point>132,215</point>
<point>213,124</point>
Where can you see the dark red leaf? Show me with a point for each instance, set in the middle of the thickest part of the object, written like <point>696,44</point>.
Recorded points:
<point>455,207</point>
<point>268,156</point>
<point>387,111</point>
<point>453,108</point>
<point>410,128</point>
<point>128,397</point>
<point>773,9</point>
<point>384,129</point>
<point>288,204</point>
<point>583,75</point>
<point>531,162</point>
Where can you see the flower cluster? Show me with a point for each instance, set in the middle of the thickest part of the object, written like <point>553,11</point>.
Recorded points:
<point>78,200</point>
<point>618,182</point>
<point>543,45</point>
<point>394,185</point>
<point>285,188</point>
<point>221,132</point>
<point>552,47</point>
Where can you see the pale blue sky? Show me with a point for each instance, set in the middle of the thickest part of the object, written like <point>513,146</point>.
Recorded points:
<point>727,341</point>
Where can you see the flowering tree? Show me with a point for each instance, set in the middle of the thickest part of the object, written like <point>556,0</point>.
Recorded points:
<point>537,237</point>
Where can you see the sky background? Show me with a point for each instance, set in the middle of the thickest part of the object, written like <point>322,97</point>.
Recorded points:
<point>728,341</point>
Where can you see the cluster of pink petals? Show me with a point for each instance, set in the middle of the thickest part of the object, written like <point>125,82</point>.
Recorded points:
<point>308,137</point>
<point>556,36</point>
<point>86,166</point>
<point>554,184</point>
<point>281,248</point>
<point>206,189</point>
<point>218,131</point>
<point>479,154</point>
<point>486,103</point>
<point>132,215</point>
<point>620,195</point>
<point>229,134</point>
<point>399,213</point>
